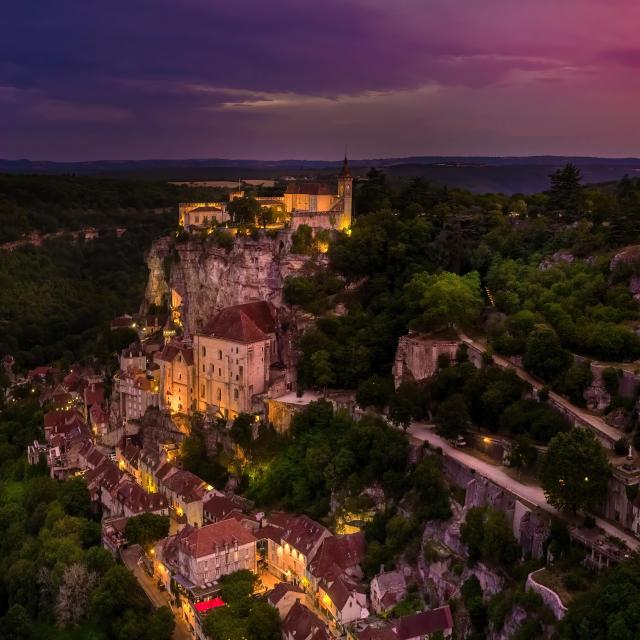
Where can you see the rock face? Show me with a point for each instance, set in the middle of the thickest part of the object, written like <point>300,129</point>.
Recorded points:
<point>157,286</point>
<point>204,277</point>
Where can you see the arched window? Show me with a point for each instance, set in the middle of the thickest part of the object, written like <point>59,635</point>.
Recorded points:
<point>219,355</point>
<point>204,351</point>
<point>235,394</point>
<point>219,394</point>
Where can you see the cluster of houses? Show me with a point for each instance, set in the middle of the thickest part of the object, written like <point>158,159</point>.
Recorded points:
<point>318,580</point>
<point>75,413</point>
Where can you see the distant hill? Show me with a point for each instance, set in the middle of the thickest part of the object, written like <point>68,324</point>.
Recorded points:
<point>527,174</point>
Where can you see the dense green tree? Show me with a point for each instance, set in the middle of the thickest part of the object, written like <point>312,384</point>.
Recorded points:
<point>565,194</point>
<point>445,299</point>
<point>375,392</point>
<point>244,210</point>
<point>146,529</point>
<point>575,471</point>
<point>17,625</point>
<point>488,537</point>
<point>431,489</point>
<point>409,402</point>
<point>452,416</point>
<point>544,356</point>
<point>374,194</point>
<point>74,497</point>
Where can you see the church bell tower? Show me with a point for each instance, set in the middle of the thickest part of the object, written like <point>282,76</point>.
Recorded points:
<point>345,191</point>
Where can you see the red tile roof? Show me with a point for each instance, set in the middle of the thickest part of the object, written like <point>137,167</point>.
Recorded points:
<point>250,322</point>
<point>218,507</point>
<point>305,534</point>
<point>204,541</point>
<point>309,188</point>
<point>424,623</point>
<point>302,624</point>
<point>337,555</point>
<point>280,590</point>
<point>186,484</point>
<point>339,590</point>
<point>171,351</point>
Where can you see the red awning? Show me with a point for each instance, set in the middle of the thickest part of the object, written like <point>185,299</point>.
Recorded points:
<point>201,607</point>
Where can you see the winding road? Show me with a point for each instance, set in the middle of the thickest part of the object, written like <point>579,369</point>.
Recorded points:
<point>533,495</point>
<point>596,423</point>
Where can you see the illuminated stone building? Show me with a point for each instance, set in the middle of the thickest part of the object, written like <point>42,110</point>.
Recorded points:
<point>312,203</point>
<point>233,354</point>
<point>176,376</point>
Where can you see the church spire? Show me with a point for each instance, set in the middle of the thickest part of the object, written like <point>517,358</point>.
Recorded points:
<point>345,173</point>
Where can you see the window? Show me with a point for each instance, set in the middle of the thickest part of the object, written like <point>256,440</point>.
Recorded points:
<point>219,394</point>
<point>202,391</point>
<point>235,394</point>
<point>204,351</point>
<point>220,373</point>
<point>203,367</point>
<point>219,354</point>
<point>241,370</point>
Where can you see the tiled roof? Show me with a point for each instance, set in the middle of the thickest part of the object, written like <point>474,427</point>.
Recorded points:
<point>302,624</point>
<point>304,534</point>
<point>337,555</point>
<point>339,590</point>
<point>280,590</point>
<point>171,351</point>
<point>205,540</point>
<point>424,623</point>
<point>376,633</point>
<point>270,532</point>
<point>390,581</point>
<point>186,485</point>
<point>218,507</point>
<point>250,322</point>
<point>309,188</point>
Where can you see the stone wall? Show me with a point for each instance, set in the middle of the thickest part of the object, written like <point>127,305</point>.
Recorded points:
<point>549,597</point>
<point>530,526</point>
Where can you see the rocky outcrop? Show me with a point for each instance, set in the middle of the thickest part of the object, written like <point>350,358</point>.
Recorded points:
<point>204,277</point>
<point>157,285</point>
<point>559,257</point>
<point>511,625</point>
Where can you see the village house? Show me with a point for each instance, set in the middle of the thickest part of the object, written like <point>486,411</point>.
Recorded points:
<point>177,376</point>
<point>284,595</point>
<point>417,626</point>
<point>190,564</point>
<point>302,624</point>
<point>66,435</point>
<point>292,544</point>
<point>135,392</point>
<point>388,588</point>
<point>342,601</point>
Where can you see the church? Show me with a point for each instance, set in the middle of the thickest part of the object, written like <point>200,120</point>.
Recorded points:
<point>312,203</point>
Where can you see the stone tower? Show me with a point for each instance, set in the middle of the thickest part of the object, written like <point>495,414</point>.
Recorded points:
<point>345,191</point>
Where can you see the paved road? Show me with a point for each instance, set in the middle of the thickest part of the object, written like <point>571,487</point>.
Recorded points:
<point>130,557</point>
<point>530,494</point>
<point>595,422</point>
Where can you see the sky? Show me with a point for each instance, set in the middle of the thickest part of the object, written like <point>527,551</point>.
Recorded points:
<point>274,79</point>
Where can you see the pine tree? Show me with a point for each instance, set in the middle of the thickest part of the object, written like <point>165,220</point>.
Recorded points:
<point>565,194</point>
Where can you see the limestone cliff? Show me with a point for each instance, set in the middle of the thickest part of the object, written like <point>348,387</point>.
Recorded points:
<point>204,277</point>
